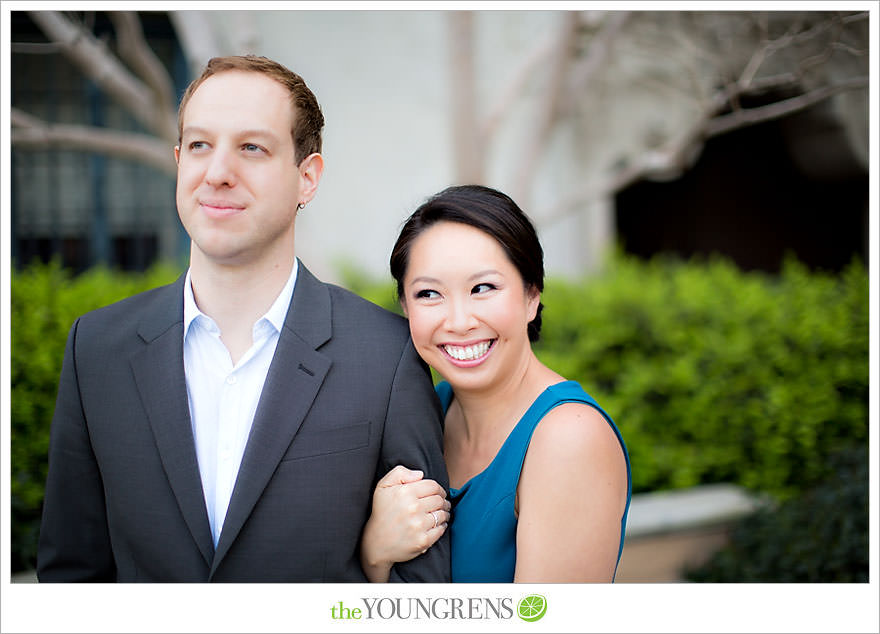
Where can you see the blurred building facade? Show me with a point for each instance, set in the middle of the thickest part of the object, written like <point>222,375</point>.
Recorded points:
<point>84,207</point>
<point>386,81</point>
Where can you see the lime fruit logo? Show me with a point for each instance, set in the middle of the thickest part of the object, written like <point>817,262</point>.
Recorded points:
<point>532,607</point>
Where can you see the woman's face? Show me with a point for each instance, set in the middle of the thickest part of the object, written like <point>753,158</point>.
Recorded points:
<point>467,306</point>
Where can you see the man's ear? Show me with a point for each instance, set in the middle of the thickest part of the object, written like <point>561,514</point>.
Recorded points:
<point>177,154</point>
<point>310,170</point>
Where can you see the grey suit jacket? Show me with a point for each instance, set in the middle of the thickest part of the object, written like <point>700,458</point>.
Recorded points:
<point>346,399</point>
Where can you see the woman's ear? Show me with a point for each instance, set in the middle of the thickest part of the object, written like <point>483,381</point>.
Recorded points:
<point>534,300</point>
<point>403,307</point>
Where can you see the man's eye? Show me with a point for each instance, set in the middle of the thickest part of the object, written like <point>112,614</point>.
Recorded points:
<point>197,145</point>
<point>252,147</point>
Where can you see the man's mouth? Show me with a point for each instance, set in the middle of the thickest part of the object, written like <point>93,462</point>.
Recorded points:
<point>222,206</point>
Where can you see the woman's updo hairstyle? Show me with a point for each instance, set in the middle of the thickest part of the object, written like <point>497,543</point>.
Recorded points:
<point>493,213</point>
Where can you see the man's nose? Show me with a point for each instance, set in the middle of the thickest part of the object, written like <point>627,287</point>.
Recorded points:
<point>221,170</point>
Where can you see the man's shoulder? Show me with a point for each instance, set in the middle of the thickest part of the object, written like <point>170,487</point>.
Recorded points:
<point>350,306</point>
<point>133,305</point>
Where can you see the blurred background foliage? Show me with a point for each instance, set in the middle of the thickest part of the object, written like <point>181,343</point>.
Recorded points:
<point>45,301</point>
<point>713,375</point>
<point>820,536</point>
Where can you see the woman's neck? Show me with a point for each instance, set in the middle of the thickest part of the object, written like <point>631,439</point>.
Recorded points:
<point>496,409</point>
<point>479,421</point>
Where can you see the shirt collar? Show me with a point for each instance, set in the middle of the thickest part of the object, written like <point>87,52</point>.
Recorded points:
<point>275,315</point>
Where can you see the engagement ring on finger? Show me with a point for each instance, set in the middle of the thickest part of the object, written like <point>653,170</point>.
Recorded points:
<point>434,514</point>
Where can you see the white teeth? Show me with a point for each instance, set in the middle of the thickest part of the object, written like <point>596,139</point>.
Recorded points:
<point>467,353</point>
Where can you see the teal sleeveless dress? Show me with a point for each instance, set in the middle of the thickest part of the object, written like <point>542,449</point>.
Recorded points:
<point>483,527</point>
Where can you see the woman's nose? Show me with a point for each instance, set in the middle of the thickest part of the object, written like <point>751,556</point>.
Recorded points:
<point>460,317</point>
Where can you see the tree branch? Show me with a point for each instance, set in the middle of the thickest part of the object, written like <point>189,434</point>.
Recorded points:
<point>470,148</point>
<point>597,53</point>
<point>196,36</point>
<point>102,67</point>
<point>135,51</point>
<point>548,109</point>
<point>742,118</point>
<point>30,133</point>
<point>246,36</point>
<point>514,87</point>
<point>680,154</point>
<point>793,37</point>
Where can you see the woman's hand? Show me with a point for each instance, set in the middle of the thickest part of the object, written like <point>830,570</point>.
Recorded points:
<point>409,515</point>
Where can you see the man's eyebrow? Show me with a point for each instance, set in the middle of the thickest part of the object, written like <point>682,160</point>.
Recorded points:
<point>256,132</point>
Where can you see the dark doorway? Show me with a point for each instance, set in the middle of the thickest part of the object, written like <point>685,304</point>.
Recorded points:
<point>785,187</point>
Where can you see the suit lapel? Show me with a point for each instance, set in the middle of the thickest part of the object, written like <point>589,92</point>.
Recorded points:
<point>292,383</point>
<point>159,374</point>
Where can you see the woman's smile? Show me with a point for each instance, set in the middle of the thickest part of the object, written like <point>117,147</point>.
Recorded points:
<point>468,355</point>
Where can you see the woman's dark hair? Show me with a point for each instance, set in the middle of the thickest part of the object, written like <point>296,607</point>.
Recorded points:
<point>493,213</point>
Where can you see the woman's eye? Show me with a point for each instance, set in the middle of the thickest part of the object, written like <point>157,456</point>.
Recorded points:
<point>482,288</point>
<point>427,294</point>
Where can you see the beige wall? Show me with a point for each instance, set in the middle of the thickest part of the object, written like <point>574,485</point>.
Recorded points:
<point>384,81</point>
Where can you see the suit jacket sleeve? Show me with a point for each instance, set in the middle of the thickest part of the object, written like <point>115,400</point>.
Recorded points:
<point>74,541</point>
<point>414,438</point>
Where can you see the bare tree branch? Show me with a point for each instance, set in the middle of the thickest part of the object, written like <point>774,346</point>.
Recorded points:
<point>470,147</point>
<point>246,37</point>
<point>741,118</point>
<point>196,36</point>
<point>597,54</point>
<point>678,155</point>
<point>672,158</point>
<point>515,87</point>
<point>102,67</point>
<point>548,112</point>
<point>30,133</point>
<point>795,36</point>
<point>135,51</point>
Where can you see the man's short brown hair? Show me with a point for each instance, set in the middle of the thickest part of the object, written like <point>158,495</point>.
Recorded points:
<point>308,120</point>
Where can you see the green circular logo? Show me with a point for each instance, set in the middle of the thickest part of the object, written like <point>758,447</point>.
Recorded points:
<point>532,607</point>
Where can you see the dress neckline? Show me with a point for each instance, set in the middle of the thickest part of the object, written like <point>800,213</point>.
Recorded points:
<point>464,487</point>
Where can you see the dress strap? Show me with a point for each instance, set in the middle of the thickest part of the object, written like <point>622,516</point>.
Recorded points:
<point>444,393</point>
<point>512,454</point>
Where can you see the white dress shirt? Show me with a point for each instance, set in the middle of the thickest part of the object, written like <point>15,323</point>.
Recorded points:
<point>223,398</point>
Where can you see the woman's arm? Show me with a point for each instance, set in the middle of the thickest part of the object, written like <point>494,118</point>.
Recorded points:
<point>402,524</point>
<point>571,497</point>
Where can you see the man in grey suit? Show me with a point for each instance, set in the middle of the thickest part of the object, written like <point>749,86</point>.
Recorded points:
<point>231,426</point>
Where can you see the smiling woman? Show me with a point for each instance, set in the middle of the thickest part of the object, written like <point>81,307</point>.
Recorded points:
<point>468,306</point>
<point>539,474</point>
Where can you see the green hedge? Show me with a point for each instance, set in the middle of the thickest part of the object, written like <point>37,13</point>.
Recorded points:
<point>45,300</point>
<point>713,375</point>
<point>716,375</point>
<point>818,537</point>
